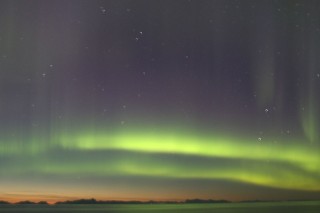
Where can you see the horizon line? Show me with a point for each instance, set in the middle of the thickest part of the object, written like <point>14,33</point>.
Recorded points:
<point>185,201</point>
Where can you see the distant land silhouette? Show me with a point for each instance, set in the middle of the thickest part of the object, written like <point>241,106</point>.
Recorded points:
<point>3,202</point>
<point>26,202</point>
<point>94,201</point>
<point>30,202</point>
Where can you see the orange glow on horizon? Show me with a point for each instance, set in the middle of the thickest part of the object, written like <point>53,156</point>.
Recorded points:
<point>50,199</point>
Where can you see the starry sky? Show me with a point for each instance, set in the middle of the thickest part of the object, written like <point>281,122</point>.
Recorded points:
<point>162,100</point>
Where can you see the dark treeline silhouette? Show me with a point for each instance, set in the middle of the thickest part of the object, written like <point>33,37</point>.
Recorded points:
<point>25,202</point>
<point>3,202</point>
<point>94,201</point>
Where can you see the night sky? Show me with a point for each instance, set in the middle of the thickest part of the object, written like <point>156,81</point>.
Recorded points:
<point>163,100</point>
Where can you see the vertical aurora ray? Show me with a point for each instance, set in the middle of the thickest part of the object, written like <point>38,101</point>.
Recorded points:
<point>310,117</point>
<point>309,101</point>
<point>264,62</point>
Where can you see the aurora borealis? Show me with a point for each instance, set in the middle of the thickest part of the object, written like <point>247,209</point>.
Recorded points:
<point>162,100</point>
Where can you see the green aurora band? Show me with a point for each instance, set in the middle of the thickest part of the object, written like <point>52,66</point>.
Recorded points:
<point>159,154</point>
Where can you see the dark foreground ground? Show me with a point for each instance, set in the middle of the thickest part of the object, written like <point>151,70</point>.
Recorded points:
<point>268,207</point>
